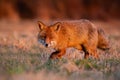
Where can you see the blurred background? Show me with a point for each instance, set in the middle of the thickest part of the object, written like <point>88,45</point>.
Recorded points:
<point>16,10</point>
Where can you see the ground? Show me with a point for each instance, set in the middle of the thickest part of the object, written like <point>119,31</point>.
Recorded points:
<point>23,58</point>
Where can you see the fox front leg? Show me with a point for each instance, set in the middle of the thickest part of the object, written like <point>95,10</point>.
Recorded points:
<point>57,54</point>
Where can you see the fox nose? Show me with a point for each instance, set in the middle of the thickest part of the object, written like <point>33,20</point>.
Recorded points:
<point>46,45</point>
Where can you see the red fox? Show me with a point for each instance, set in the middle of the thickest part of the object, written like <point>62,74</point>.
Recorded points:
<point>82,35</point>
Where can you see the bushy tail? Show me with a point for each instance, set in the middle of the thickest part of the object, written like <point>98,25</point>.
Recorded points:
<point>103,42</point>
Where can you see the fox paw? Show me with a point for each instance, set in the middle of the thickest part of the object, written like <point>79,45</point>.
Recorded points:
<point>54,56</point>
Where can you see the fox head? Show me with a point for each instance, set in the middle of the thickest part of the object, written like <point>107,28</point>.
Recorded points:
<point>48,35</point>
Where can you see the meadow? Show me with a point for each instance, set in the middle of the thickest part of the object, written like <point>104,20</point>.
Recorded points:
<point>23,58</point>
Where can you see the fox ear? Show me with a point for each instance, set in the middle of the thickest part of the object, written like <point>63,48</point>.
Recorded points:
<point>41,25</point>
<point>57,26</point>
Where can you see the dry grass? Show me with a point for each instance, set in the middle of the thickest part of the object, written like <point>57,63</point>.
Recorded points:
<point>23,58</point>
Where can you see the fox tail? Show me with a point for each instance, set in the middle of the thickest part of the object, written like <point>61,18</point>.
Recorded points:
<point>103,42</point>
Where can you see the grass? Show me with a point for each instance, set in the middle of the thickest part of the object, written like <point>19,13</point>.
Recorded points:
<point>21,53</point>
<point>17,63</point>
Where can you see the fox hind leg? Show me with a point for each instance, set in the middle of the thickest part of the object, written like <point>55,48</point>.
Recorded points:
<point>86,56</point>
<point>90,49</point>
